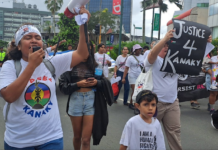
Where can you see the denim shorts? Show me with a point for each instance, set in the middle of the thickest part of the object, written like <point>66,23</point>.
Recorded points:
<point>208,83</point>
<point>82,104</point>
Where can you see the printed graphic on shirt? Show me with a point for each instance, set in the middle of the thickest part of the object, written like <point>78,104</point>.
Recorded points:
<point>101,61</point>
<point>169,74</point>
<point>37,96</point>
<point>122,64</point>
<point>147,141</point>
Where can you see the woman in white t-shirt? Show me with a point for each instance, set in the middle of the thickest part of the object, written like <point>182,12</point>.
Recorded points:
<point>133,67</point>
<point>33,120</point>
<point>100,56</point>
<point>118,72</point>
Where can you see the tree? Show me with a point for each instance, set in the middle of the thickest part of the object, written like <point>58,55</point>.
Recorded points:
<point>163,8</point>
<point>47,27</point>
<point>53,6</point>
<point>104,18</point>
<point>69,30</point>
<point>3,43</point>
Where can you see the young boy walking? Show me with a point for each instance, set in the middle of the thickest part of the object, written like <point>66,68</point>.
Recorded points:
<point>143,132</point>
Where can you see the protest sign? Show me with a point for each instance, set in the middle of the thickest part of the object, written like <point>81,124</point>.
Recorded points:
<point>186,48</point>
<point>191,88</point>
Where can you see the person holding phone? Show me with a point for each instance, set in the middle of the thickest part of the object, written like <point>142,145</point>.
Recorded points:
<point>33,120</point>
<point>79,84</point>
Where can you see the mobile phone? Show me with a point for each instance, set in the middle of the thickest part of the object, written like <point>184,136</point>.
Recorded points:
<point>90,79</point>
<point>36,48</point>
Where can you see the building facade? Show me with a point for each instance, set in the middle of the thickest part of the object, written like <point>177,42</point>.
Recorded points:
<point>12,18</point>
<point>189,4</point>
<point>94,5</point>
<point>213,18</point>
<point>196,14</point>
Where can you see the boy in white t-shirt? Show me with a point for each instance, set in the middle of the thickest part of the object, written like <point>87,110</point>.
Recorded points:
<point>143,132</point>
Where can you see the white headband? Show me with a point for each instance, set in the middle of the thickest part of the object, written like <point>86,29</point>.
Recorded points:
<point>26,29</point>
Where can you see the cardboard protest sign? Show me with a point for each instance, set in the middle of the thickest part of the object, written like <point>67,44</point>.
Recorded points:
<point>191,88</point>
<point>186,48</point>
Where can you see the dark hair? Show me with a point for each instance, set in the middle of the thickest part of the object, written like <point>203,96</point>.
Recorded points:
<point>69,45</point>
<point>145,47</point>
<point>92,57</point>
<point>126,47</point>
<point>100,45</point>
<point>14,52</point>
<point>148,97</point>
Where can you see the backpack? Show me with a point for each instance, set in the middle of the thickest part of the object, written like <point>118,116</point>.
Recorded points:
<point>18,68</point>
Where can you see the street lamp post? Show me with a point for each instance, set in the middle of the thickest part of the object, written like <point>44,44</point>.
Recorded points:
<point>121,24</point>
<point>152,26</point>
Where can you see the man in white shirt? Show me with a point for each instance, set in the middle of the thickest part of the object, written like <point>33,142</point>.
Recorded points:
<point>165,86</point>
<point>100,56</point>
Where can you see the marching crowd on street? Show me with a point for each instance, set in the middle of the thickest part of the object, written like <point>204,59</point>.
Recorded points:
<point>28,85</point>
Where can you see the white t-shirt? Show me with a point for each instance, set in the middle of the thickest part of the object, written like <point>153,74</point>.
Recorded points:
<point>30,123</point>
<point>139,135</point>
<point>121,62</point>
<point>99,59</point>
<point>165,84</point>
<point>134,66</point>
<point>47,51</point>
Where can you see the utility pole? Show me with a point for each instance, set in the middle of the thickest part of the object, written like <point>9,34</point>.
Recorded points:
<point>134,33</point>
<point>159,24</point>
<point>100,7</point>
<point>152,26</point>
<point>121,25</point>
<point>143,30</point>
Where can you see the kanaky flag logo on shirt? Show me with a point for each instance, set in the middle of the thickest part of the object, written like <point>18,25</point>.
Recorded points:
<point>37,95</point>
<point>116,7</point>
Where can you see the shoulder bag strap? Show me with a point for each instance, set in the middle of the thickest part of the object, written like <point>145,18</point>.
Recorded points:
<point>50,67</point>
<point>18,67</point>
<point>138,62</point>
<point>123,63</point>
<point>103,60</point>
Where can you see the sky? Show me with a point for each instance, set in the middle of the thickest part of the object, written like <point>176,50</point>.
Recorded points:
<point>137,15</point>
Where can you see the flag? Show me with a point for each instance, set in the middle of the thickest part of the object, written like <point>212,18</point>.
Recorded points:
<point>116,7</point>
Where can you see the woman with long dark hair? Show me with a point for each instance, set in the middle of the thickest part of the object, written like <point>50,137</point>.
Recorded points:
<point>79,84</point>
<point>33,119</point>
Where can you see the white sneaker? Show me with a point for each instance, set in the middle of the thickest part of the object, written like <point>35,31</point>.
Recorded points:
<point>204,84</point>
<point>213,87</point>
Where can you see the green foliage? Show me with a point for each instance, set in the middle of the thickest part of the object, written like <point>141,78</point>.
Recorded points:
<point>215,43</point>
<point>114,52</point>
<point>53,6</point>
<point>105,18</point>
<point>47,27</point>
<point>69,30</point>
<point>163,6</point>
<point>3,43</point>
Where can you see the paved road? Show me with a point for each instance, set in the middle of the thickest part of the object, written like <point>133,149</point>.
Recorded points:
<point>196,131</point>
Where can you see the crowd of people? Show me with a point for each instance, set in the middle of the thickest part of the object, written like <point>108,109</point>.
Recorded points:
<point>28,85</point>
